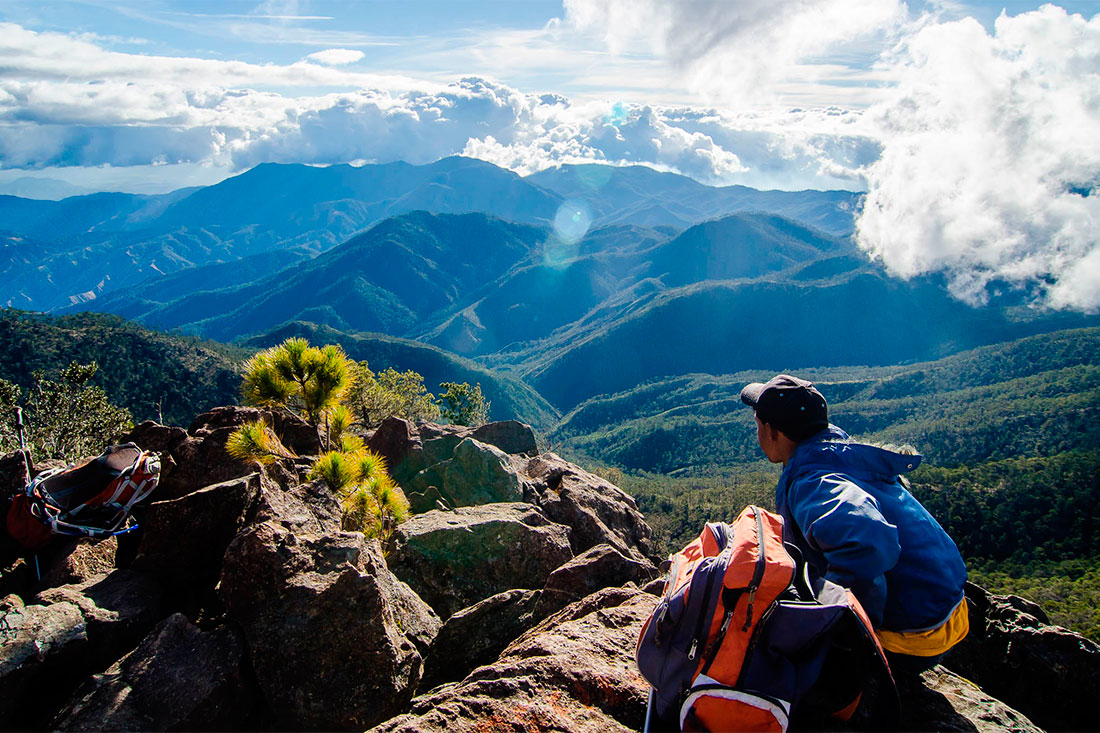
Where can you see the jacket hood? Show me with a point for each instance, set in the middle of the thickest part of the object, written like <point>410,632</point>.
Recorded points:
<point>832,448</point>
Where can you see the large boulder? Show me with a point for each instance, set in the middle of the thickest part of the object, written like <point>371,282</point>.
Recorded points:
<point>184,539</point>
<point>452,464</point>
<point>477,635</point>
<point>200,458</point>
<point>454,559</point>
<point>178,678</point>
<point>599,567</point>
<point>596,510</point>
<point>41,649</point>
<point>946,702</point>
<point>573,672</point>
<point>475,473</point>
<point>118,609</point>
<point>336,641</point>
<point>48,646</point>
<point>1016,656</point>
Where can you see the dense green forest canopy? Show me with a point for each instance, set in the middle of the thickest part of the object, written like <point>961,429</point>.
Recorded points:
<point>151,374</point>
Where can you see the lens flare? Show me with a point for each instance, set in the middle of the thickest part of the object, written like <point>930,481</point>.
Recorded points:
<point>572,221</point>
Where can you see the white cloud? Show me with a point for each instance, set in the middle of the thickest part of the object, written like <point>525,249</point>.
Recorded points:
<point>336,56</point>
<point>744,51</point>
<point>991,158</point>
<point>64,101</point>
<point>980,150</point>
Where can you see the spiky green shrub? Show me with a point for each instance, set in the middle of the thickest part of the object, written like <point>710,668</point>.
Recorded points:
<point>337,470</point>
<point>255,441</point>
<point>370,501</point>
<point>297,377</point>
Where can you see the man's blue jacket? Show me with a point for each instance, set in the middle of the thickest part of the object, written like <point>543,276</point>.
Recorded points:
<point>844,506</point>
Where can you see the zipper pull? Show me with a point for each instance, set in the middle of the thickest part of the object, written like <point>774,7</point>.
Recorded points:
<point>748,614</point>
<point>712,648</point>
<point>693,649</point>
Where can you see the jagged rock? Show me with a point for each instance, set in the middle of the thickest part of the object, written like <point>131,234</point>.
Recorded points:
<point>335,639</point>
<point>599,567</point>
<point>454,559</point>
<point>160,439</point>
<point>947,702</point>
<point>201,457</point>
<point>596,510</point>
<point>476,473</point>
<point>185,538</point>
<point>40,648</point>
<point>511,436</point>
<point>458,465</point>
<point>575,672</point>
<point>394,440</point>
<point>178,678</point>
<point>1014,655</point>
<point>295,433</point>
<point>73,560</point>
<point>118,609</point>
<point>477,635</point>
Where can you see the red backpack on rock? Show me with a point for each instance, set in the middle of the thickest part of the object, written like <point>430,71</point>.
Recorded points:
<point>741,639</point>
<point>89,499</point>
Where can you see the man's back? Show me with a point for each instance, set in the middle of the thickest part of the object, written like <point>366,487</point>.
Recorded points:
<point>850,514</point>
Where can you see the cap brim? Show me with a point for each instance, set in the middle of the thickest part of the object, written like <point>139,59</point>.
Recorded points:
<point>750,395</point>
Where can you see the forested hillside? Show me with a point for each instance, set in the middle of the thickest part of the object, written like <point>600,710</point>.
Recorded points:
<point>152,374</point>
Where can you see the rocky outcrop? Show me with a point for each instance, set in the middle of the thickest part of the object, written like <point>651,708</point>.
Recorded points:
<point>336,641</point>
<point>477,635</point>
<point>178,678</point>
<point>1014,654</point>
<point>454,559</point>
<point>596,510</point>
<point>448,467</point>
<point>185,538</point>
<point>39,648</point>
<point>197,458</point>
<point>946,702</point>
<point>600,567</point>
<point>475,473</point>
<point>290,623</point>
<point>573,672</point>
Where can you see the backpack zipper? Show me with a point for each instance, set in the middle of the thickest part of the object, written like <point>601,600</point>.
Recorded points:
<point>694,648</point>
<point>758,573</point>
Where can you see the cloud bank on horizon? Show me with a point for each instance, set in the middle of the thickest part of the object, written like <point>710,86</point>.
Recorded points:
<point>979,149</point>
<point>990,142</point>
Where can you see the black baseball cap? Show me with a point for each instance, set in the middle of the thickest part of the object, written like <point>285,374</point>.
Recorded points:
<point>792,405</point>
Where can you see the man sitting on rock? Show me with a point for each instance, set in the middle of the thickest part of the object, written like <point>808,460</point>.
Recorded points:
<point>847,508</point>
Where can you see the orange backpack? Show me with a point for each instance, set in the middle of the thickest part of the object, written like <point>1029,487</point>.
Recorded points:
<point>741,637</point>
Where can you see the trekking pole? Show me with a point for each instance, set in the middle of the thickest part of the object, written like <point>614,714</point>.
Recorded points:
<point>23,445</point>
<point>26,474</point>
<point>648,711</point>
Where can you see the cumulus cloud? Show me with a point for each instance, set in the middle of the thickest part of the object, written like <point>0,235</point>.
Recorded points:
<point>336,56</point>
<point>741,50</point>
<point>979,150</point>
<point>66,102</point>
<point>991,159</point>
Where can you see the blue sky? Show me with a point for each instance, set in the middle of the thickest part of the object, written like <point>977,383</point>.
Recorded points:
<point>973,127</point>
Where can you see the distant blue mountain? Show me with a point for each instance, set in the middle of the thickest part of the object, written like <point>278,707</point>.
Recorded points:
<point>89,246</point>
<point>624,305</point>
<point>102,242</point>
<point>640,195</point>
